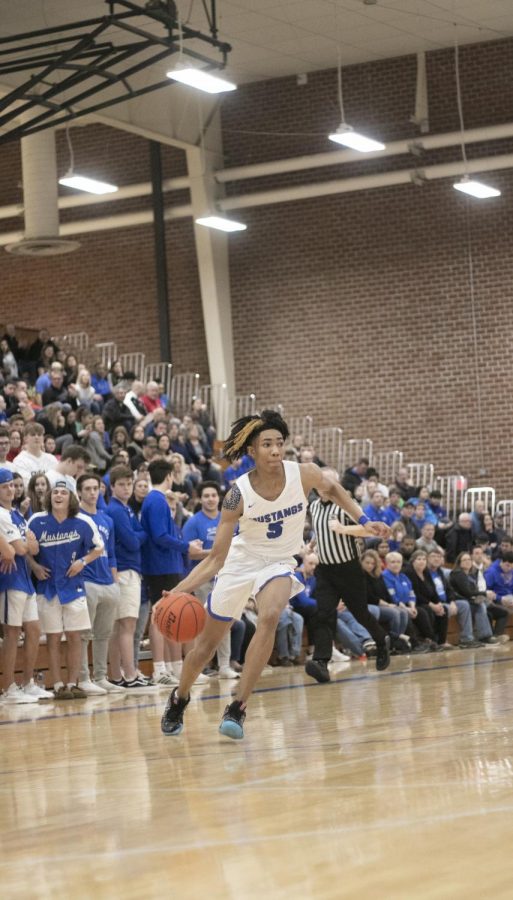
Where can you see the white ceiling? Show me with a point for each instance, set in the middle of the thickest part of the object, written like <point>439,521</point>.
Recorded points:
<point>273,38</point>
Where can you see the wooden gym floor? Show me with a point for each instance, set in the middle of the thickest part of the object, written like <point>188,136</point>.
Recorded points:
<point>390,785</point>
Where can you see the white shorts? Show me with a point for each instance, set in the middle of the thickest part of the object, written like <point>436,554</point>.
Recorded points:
<point>56,617</point>
<point>129,594</point>
<point>242,577</point>
<point>17,607</point>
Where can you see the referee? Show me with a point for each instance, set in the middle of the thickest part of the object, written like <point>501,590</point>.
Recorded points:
<point>338,576</point>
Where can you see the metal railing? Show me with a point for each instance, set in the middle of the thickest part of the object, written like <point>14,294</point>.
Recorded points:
<point>486,494</point>
<point>355,449</point>
<point>133,362</point>
<point>329,446</point>
<point>452,489</point>
<point>159,372</point>
<point>215,397</point>
<point>505,507</point>
<point>302,425</point>
<point>79,340</point>
<point>387,463</point>
<point>106,353</point>
<point>421,474</point>
<point>183,388</point>
<point>243,405</point>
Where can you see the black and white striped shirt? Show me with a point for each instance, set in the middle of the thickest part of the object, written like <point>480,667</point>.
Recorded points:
<point>332,548</point>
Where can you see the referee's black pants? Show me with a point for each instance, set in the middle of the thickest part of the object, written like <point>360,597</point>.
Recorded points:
<point>340,581</point>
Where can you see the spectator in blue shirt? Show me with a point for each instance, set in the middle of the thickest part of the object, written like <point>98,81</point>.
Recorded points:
<point>163,560</point>
<point>393,510</point>
<point>68,542</point>
<point>375,510</point>
<point>102,591</point>
<point>129,537</point>
<point>499,579</point>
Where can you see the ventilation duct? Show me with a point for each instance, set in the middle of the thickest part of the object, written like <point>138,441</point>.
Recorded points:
<point>39,165</point>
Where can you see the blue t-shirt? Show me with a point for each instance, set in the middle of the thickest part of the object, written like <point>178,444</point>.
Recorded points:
<point>129,537</point>
<point>305,599</point>
<point>19,579</point>
<point>200,527</point>
<point>392,514</point>
<point>99,571</point>
<point>60,544</point>
<point>164,550</point>
<point>375,515</point>
<point>399,587</point>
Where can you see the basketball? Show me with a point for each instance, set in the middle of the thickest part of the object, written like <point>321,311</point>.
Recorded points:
<point>180,617</point>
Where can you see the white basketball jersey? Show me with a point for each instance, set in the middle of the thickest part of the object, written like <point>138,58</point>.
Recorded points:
<point>272,529</point>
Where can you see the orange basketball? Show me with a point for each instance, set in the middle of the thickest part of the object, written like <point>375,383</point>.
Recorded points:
<point>179,617</point>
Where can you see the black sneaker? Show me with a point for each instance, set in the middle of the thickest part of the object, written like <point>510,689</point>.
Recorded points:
<point>139,683</point>
<point>471,644</point>
<point>383,655</point>
<point>318,669</point>
<point>172,719</point>
<point>233,720</point>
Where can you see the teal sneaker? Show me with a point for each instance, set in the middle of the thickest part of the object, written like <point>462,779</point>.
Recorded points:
<point>232,721</point>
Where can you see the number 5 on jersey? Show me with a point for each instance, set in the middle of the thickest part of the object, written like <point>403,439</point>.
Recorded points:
<point>274,530</point>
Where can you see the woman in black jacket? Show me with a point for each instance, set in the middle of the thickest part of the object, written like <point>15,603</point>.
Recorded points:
<point>468,582</point>
<point>430,609</point>
<point>380,605</point>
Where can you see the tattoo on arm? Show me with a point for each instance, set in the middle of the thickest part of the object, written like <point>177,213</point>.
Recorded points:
<point>232,499</point>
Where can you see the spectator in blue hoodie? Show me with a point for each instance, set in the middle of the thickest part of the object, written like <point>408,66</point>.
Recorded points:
<point>129,537</point>
<point>163,559</point>
<point>499,579</point>
<point>375,510</point>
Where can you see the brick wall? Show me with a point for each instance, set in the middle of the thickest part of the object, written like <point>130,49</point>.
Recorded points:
<point>355,309</point>
<point>107,287</point>
<point>360,304</point>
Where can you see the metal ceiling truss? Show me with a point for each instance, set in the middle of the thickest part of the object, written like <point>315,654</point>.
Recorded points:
<point>74,63</point>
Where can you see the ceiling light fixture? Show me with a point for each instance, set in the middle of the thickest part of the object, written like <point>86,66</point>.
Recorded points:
<point>91,185</point>
<point>346,134</point>
<point>82,182</point>
<point>201,80</point>
<point>348,137</point>
<point>221,223</point>
<point>475,188</point>
<point>467,185</point>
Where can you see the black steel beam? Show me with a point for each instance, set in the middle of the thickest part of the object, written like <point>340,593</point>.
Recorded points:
<point>159,237</point>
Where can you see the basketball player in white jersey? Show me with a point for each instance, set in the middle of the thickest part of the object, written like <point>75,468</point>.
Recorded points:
<point>268,505</point>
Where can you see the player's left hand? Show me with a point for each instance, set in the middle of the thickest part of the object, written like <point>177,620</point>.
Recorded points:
<point>378,529</point>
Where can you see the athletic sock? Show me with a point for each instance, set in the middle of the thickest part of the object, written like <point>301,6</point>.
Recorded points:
<point>176,668</point>
<point>159,668</point>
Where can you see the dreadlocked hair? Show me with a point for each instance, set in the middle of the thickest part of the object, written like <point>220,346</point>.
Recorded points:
<point>245,429</point>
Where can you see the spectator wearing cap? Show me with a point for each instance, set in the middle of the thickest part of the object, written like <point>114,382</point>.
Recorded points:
<point>440,513</point>
<point>68,542</point>
<point>407,513</point>
<point>460,537</point>
<point>18,607</point>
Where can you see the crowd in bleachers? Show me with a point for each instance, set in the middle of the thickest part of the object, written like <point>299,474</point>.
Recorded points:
<point>65,429</point>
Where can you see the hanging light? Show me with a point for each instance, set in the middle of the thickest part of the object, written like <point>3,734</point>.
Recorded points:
<point>347,136</point>
<point>82,182</point>
<point>221,223</point>
<point>201,80</point>
<point>475,188</point>
<point>468,185</point>
<point>90,185</point>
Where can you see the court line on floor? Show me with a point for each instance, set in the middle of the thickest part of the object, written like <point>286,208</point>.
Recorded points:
<point>269,690</point>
